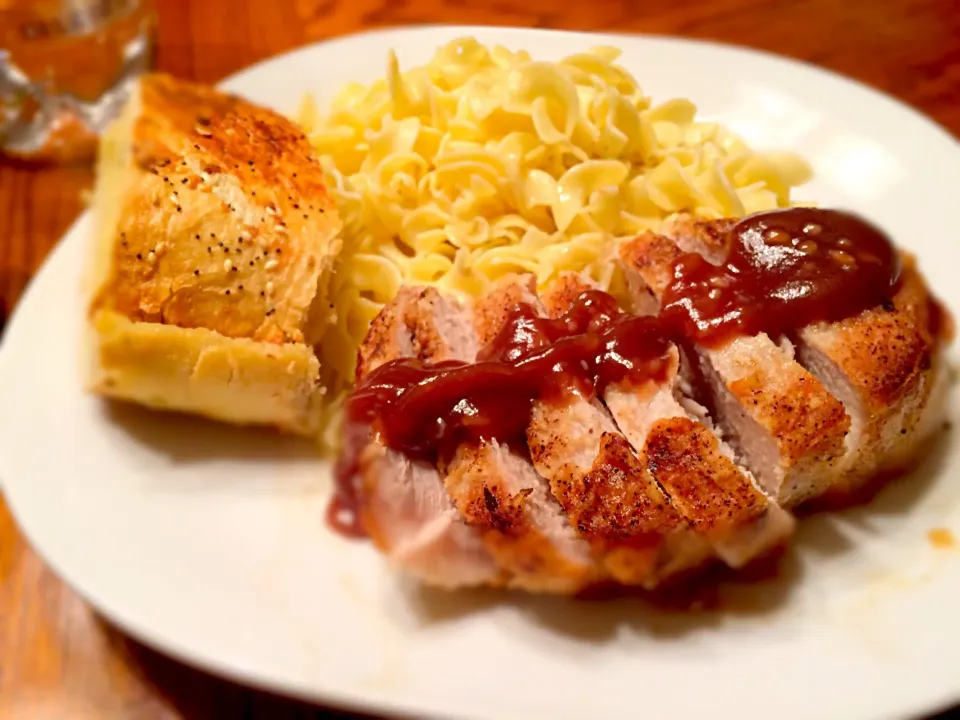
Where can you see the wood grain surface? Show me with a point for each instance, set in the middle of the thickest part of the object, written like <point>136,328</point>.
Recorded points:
<point>57,658</point>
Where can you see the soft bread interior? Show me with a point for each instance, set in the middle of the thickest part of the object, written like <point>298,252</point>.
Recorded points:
<point>235,380</point>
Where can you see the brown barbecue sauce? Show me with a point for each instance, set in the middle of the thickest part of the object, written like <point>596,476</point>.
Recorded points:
<point>783,270</point>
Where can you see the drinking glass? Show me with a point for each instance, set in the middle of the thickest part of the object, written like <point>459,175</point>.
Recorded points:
<point>66,67</point>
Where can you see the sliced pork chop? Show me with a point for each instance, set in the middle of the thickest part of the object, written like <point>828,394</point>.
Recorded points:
<point>633,530</point>
<point>497,490</point>
<point>785,426</point>
<point>685,457</point>
<point>500,494</point>
<point>887,367</point>
<point>404,505</point>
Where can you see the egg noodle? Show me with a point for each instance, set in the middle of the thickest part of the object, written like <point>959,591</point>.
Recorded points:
<point>484,162</point>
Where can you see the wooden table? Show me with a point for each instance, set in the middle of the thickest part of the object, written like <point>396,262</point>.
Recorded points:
<point>56,656</point>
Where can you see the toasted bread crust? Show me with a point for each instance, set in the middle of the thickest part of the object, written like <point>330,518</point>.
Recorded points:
<point>215,230</point>
<point>225,220</point>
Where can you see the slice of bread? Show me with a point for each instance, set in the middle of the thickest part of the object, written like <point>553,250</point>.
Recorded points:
<point>215,236</point>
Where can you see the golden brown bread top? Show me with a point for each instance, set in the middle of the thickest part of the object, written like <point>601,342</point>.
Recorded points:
<point>225,221</point>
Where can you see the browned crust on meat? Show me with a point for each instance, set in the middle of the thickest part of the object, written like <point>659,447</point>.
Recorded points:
<point>504,519</point>
<point>384,340</point>
<point>885,351</point>
<point>807,422</point>
<point>709,238</point>
<point>615,501</point>
<point>632,528</point>
<point>560,294</point>
<point>684,458</point>
<point>652,257</point>
<point>429,343</point>
<point>892,358</point>
<point>408,315</point>
<point>492,310</point>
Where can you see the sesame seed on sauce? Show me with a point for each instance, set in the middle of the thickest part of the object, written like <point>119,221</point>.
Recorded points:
<point>227,265</point>
<point>270,265</point>
<point>151,256</point>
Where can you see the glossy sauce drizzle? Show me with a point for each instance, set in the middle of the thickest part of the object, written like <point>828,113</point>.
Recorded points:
<point>783,270</point>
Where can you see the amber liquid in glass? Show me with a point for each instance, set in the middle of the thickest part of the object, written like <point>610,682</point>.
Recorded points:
<point>66,67</point>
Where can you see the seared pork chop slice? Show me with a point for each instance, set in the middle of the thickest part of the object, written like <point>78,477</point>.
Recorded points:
<point>634,531</point>
<point>497,490</point>
<point>500,494</point>
<point>786,427</point>
<point>404,505</point>
<point>684,455</point>
<point>887,365</point>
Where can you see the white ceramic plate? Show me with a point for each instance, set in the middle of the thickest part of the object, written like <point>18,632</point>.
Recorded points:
<point>209,542</point>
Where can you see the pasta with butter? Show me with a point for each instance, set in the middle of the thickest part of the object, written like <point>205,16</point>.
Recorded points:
<point>484,162</point>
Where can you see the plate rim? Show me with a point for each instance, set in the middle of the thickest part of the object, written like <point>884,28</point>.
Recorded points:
<point>338,697</point>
